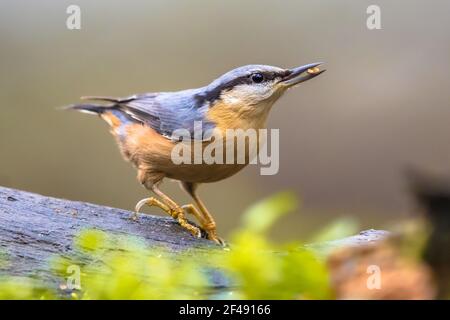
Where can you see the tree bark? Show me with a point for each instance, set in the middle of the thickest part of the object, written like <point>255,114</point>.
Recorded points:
<point>34,227</point>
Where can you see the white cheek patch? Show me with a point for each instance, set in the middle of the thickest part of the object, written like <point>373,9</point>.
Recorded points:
<point>230,99</point>
<point>247,94</point>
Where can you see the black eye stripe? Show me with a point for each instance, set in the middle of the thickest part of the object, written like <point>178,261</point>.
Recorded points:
<point>214,93</point>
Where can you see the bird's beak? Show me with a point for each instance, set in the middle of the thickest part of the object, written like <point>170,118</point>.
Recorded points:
<point>300,74</point>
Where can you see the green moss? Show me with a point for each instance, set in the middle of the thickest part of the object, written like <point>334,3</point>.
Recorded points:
<point>123,267</point>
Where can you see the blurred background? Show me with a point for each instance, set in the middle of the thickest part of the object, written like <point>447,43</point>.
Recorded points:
<point>346,137</point>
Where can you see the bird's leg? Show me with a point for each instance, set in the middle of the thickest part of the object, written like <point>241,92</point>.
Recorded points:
<point>191,209</point>
<point>207,221</point>
<point>149,181</point>
<point>176,212</point>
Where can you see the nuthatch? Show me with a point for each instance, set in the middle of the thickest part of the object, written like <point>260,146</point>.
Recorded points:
<point>143,124</point>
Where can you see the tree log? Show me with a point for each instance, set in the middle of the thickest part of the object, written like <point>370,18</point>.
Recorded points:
<point>34,227</point>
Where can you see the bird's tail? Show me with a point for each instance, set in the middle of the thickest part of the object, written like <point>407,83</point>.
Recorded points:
<point>91,108</point>
<point>110,113</point>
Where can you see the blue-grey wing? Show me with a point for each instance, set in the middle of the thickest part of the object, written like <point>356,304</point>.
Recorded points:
<point>166,112</point>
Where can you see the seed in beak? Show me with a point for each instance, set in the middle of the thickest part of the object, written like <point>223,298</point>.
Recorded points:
<point>313,70</point>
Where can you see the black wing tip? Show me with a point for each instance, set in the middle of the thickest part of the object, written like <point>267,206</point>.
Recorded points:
<point>109,99</point>
<point>87,108</point>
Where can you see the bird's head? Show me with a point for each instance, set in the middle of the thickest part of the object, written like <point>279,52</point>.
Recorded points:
<point>252,90</point>
<point>254,84</point>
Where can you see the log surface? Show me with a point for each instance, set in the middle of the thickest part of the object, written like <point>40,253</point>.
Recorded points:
<point>34,228</point>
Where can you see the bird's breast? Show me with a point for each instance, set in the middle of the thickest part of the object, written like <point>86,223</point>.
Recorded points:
<point>238,115</point>
<point>195,161</point>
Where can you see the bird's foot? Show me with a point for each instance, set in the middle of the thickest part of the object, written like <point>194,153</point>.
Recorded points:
<point>178,214</point>
<point>151,202</point>
<point>212,235</point>
<point>184,223</point>
<point>217,239</point>
<point>208,229</point>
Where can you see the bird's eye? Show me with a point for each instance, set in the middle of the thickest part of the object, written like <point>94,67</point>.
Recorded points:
<point>257,77</point>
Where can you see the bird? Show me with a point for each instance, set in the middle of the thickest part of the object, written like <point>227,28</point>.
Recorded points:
<point>143,127</point>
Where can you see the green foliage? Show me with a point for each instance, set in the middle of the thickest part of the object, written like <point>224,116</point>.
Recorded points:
<point>261,216</point>
<point>19,288</point>
<point>90,240</point>
<point>123,267</point>
<point>338,229</point>
<point>266,271</point>
<point>115,266</point>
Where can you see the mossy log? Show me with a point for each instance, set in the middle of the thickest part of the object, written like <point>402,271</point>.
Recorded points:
<point>34,228</point>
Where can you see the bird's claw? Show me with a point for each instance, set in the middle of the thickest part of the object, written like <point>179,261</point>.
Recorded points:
<point>140,204</point>
<point>151,202</point>
<point>198,233</point>
<point>211,235</point>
